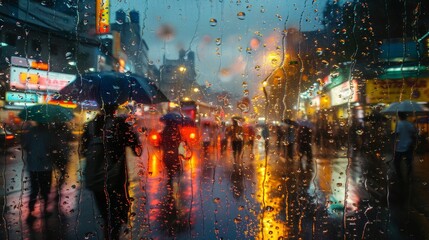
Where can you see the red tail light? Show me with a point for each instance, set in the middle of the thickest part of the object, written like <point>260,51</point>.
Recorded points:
<point>154,137</point>
<point>192,136</point>
<point>9,137</point>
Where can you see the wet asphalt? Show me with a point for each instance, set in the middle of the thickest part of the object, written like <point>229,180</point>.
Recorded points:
<point>339,195</point>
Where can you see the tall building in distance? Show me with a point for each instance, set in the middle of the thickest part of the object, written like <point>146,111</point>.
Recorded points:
<point>129,47</point>
<point>178,76</point>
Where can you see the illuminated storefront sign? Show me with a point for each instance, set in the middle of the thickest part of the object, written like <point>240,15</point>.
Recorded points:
<point>21,97</point>
<point>102,17</point>
<point>344,93</point>
<point>37,80</point>
<point>388,91</point>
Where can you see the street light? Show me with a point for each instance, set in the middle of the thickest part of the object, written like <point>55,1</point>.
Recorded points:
<point>182,69</point>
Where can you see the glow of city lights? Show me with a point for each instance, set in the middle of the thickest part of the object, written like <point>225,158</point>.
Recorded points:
<point>182,69</point>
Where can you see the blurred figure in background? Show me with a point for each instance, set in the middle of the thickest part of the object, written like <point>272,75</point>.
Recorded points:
<point>36,144</point>
<point>405,142</point>
<point>265,134</point>
<point>235,132</point>
<point>304,138</point>
<point>170,141</point>
<point>223,138</point>
<point>206,135</point>
<point>249,136</point>
<point>60,152</point>
<point>290,141</point>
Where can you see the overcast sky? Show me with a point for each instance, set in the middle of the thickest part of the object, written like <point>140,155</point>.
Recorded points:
<point>221,48</point>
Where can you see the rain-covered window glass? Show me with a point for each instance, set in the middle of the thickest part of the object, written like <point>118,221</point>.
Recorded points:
<point>220,119</point>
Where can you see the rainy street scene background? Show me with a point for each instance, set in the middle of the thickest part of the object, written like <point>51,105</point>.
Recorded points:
<point>220,119</point>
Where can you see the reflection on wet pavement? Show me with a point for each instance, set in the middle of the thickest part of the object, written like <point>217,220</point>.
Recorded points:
<point>264,197</point>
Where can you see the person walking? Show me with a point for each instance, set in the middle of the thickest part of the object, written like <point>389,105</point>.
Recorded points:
<point>170,141</point>
<point>206,137</point>
<point>104,143</point>
<point>223,138</point>
<point>36,145</point>
<point>304,139</point>
<point>235,132</point>
<point>60,153</point>
<point>265,134</point>
<point>290,141</point>
<point>405,142</point>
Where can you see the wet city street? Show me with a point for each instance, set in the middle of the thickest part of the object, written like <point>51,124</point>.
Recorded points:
<point>262,197</point>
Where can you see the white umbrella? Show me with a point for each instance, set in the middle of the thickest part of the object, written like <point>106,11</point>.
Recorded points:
<point>406,106</point>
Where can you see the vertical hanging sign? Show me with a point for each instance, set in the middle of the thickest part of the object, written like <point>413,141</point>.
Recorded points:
<point>102,17</point>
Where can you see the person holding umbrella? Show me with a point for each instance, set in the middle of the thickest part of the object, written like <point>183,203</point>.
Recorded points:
<point>35,144</point>
<point>104,143</point>
<point>40,150</point>
<point>406,136</point>
<point>235,132</point>
<point>170,141</point>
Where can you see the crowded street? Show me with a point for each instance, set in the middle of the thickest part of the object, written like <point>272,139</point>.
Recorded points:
<point>255,119</point>
<point>263,197</point>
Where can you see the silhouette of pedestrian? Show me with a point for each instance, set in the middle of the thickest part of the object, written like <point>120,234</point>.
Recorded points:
<point>304,139</point>
<point>36,144</point>
<point>405,136</point>
<point>235,132</point>
<point>223,138</point>
<point>60,152</point>
<point>206,137</point>
<point>290,141</point>
<point>265,134</point>
<point>170,141</point>
<point>104,143</point>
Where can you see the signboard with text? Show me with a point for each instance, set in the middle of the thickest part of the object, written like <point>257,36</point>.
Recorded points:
<point>344,93</point>
<point>102,17</point>
<point>38,80</point>
<point>388,91</point>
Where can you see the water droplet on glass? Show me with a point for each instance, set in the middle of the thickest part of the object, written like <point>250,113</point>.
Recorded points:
<point>324,62</point>
<point>244,107</point>
<point>269,209</point>
<point>246,92</point>
<point>241,15</point>
<point>359,132</point>
<point>89,235</point>
<point>218,41</point>
<point>69,55</point>
<point>213,22</point>
<point>257,67</point>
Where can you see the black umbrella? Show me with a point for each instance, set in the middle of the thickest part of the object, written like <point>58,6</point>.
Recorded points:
<point>112,88</point>
<point>177,118</point>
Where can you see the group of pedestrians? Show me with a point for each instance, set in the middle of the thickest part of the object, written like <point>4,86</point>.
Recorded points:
<point>103,144</point>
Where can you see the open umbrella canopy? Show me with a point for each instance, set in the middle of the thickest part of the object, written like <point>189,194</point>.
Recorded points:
<point>45,113</point>
<point>406,106</point>
<point>177,118</point>
<point>112,88</point>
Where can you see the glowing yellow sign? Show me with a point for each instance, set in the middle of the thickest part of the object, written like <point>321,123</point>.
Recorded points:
<point>102,17</point>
